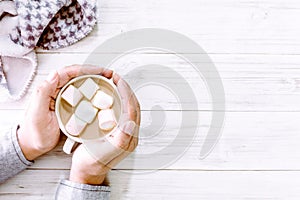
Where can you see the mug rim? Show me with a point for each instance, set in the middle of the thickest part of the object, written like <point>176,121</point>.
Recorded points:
<point>58,100</point>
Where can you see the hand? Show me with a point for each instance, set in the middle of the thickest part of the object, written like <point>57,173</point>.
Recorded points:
<point>39,132</point>
<point>91,166</point>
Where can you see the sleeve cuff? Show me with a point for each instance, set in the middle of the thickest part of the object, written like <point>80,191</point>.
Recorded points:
<point>12,159</point>
<point>68,190</point>
<point>17,146</point>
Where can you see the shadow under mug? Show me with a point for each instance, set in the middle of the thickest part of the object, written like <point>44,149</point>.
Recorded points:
<point>92,131</point>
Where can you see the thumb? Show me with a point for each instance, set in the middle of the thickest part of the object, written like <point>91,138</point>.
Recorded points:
<point>52,80</point>
<point>44,92</point>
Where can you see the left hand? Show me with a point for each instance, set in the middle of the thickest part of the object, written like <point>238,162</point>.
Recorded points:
<point>39,133</point>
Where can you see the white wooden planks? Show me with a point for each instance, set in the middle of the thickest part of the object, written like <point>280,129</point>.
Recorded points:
<point>230,26</point>
<point>255,47</point>
<point>251,82</point>
<point>172,184</point>
<point>250,141</point>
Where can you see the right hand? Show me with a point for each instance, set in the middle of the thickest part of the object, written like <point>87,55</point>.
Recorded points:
<point>91,167</point>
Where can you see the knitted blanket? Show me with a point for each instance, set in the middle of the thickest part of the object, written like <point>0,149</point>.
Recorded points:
<point>26,24</point>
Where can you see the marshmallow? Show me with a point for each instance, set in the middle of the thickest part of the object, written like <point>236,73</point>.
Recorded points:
<point>85,111</point>
<point>72,95</point>
<point>89,88</point>
<point>102,100</point>
<point>107,119</point>
<point>75,126</point>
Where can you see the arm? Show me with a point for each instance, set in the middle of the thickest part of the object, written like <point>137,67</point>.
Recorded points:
<point>68,190</point>
<point>12,159</point>
<point>39,133</point>
<point>21,144</point>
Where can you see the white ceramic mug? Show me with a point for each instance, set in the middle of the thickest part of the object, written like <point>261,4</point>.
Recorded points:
<point>64,111</point>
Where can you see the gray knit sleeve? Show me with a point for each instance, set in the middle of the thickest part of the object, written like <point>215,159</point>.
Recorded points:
<point>68,190</point>
<point>12,159</point>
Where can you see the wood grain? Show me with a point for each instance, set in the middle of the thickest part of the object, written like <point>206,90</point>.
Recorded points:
<point>166,185</point>
<point>251,82</point>
<point>249,141</point>
<point>231,26</point>
<point>254,45</point>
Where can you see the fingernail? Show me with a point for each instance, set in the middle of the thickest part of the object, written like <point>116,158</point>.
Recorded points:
<point>51,78</point>
<point>128,127</point>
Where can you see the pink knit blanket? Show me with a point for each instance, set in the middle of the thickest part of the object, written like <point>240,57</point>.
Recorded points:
<point>27,24</point>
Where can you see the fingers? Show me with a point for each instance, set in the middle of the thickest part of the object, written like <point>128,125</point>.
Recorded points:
<point>127,127</point>
<point>67,73</point>
<point>102,150</point>
<point>130,116</point>
<point>131,147</point>
<point>44,93</point>
<point>122,135</point>
<point>116,78</point>
<point>52,104</point>
<point>112,146</point>
<point>123,87</point>
<point>117,160</point>
<point>131,106</point>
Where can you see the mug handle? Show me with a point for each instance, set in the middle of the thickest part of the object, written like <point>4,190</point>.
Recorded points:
<point>68,146</point>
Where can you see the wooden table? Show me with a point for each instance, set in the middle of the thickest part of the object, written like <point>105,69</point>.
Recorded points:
<point>255,46</point>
